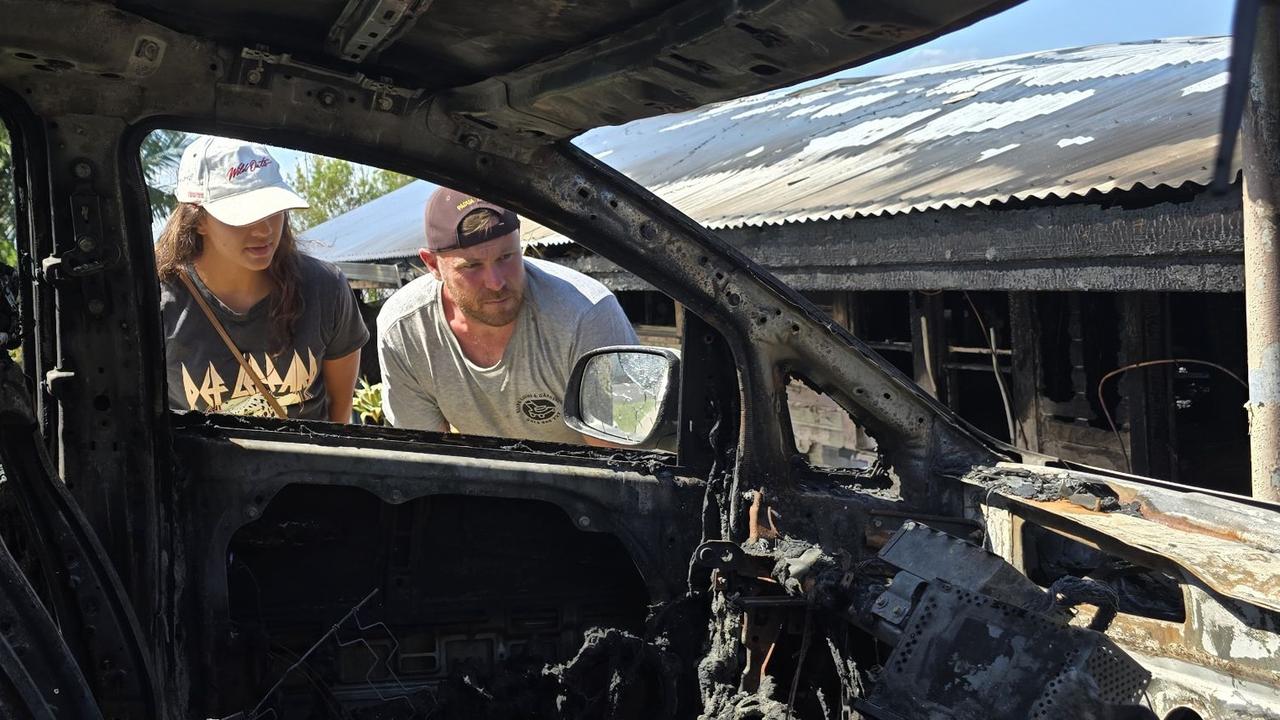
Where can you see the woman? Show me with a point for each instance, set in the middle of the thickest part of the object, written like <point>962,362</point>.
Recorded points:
<point>252,326</point>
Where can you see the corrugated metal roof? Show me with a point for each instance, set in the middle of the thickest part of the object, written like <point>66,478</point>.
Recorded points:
<point>389,227</point>
<point>1047,124</point>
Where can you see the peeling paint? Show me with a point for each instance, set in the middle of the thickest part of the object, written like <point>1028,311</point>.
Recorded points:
<point>803,99</point>
<point>995,115</point>
<point>1264,378</point>
<point>865,133</point>
<point>1077,140</point>
<point>845,106</point>
<point>992,152</point>
<point>1210,83</point>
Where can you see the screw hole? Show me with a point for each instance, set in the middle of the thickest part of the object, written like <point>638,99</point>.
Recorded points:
<point>584,193</point>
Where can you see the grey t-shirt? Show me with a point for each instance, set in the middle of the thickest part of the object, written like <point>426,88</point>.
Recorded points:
<point>205,376</point>
<point>427,381</point>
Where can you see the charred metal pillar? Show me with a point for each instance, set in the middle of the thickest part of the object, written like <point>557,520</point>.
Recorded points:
<point>1261,159</point>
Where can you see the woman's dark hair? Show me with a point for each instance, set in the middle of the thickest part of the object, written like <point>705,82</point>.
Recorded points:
<point>180,243</point>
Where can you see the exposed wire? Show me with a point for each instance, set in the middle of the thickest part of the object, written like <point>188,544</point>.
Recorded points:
<point>804,650</point>
<point>1147,363</point>
<point>391,673</point>
<point>990,336</point>
<point>257,713</point>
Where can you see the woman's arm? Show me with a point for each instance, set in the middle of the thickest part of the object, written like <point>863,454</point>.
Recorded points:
<point>339,376</point>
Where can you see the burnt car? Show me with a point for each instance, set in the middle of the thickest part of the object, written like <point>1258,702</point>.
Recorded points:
<point>168,565</point>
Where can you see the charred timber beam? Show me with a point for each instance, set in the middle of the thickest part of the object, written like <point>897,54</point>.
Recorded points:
<point>1195,246</point>
<point>1261,157</point>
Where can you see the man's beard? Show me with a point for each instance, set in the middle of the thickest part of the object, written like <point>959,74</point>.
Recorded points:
<point>477,310</point>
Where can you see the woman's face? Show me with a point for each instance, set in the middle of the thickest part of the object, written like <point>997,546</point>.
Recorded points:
<point>249,246</point>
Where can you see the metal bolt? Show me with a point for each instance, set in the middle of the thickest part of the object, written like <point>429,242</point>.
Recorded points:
<point>96,307</point>
<point>396,496</point>
<point>328,97</point>
<point>252,511</point>
<point>82,169</point>
<point>385,103</point>
<point>255,76</point>
<point>149,50</point>
<point>877,522</point>
<point>946,587</point>
<point>470,142</point>
<point>881,602</point>
<point>896,612</point>
<point>86,243</point>
<point>584,521</point>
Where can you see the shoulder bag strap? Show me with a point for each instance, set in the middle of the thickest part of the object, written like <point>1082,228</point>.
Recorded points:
<point>231,345</point>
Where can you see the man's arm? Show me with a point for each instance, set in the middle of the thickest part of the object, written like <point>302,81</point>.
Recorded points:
<point>339,375</point>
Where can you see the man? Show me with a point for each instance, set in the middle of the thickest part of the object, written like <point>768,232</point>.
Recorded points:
<point>485,342</point>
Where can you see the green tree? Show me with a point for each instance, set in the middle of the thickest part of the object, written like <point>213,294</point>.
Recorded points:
<point>161,152</point>
<point>333,187</point>
<point>8,230</point>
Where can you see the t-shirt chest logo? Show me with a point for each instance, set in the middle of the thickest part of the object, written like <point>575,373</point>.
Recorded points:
<point>539,408</point>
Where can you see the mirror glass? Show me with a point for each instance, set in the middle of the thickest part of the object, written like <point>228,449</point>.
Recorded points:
<point>621,393</point>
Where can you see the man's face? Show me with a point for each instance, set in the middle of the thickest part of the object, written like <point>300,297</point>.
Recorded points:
<point>485,281</point>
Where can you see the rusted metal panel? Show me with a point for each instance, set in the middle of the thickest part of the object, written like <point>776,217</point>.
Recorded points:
<point>1233,558</point>
<point>1041,125</point>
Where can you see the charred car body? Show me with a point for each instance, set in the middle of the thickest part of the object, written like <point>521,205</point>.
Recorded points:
<point>166,565</point>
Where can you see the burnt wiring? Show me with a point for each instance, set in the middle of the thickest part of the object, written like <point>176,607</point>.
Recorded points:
<point>806,638</point>
<point>353,615</point>
<point>1148,363</point>
<point>989,334</point>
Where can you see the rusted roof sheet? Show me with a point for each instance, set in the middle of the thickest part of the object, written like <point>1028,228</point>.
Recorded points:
<point>1047,124</point>
<point>1056,123</point>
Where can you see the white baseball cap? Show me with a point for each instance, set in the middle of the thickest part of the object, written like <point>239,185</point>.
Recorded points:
<point>237,182</point>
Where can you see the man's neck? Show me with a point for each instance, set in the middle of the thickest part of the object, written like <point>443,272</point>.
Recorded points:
<point>482,344</point>
<point>238,288</point>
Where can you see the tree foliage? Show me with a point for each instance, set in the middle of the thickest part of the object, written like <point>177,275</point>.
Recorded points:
<point>333,187</point>
<point>161,152</point>
<point>8,232</point>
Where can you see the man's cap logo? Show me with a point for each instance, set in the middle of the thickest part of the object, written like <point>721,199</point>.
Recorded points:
<point>466,204</point>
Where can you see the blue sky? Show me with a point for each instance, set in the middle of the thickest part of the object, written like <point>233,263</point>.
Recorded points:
<point>1050,24</point>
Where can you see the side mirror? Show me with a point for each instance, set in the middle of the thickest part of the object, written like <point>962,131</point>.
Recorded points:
<point>626,395</point>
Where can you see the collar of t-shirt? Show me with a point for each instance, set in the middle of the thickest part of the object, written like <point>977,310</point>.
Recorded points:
<point>221,308</point>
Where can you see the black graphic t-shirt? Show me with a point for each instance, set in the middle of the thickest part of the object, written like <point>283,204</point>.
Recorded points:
<point>203,374</point>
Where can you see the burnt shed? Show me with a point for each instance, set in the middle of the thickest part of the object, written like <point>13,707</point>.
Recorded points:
<point>1032,238</point>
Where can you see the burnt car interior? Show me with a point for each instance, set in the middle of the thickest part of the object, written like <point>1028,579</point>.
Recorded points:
<point>180,565</point>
